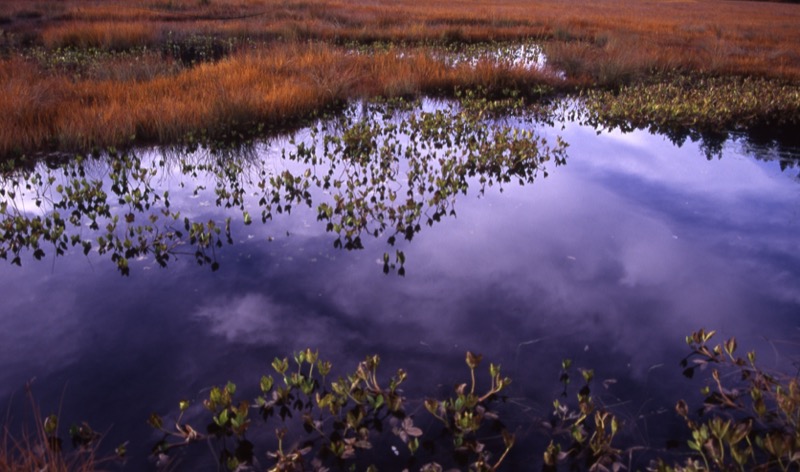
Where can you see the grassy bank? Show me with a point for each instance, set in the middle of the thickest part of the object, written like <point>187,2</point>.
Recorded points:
<point>76,74</point>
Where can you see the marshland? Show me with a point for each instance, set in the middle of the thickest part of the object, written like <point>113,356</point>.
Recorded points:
<point>473,235</point>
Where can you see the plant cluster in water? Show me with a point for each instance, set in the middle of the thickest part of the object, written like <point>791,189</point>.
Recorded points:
<point>381,170</point>
<point>304,418</point>
<point>323,424</point>
<point>693,106</point>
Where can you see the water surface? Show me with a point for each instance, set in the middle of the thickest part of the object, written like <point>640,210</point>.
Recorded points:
<point>610,260</point>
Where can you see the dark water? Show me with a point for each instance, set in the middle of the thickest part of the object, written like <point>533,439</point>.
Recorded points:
<point>610,260</point>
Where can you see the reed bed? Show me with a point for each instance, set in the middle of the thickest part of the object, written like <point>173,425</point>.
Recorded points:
<point>76,74</point>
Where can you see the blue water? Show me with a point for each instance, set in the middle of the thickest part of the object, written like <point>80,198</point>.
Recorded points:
<point>611,261</point>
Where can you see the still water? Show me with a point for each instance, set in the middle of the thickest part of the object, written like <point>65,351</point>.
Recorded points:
<point>610,260</point>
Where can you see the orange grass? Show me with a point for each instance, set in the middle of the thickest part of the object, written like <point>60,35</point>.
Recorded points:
<point>113,36</point>
<point>32,450</point>
<point>276,86</point>
<point>723,36</point>
<point>276,78</point>
<point>32,453</point>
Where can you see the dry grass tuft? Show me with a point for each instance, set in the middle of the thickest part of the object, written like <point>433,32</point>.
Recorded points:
<point>112,36</point>
<point>37,449</point>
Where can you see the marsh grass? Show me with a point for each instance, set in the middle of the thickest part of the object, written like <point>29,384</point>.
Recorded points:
<point>233,63</point>
<point>273,87</point>
<point>34,444</point>
<point>114,36</point>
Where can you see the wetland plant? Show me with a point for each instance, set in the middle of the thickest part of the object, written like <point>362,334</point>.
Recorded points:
<point>327,423</point>
<point>303,415</point>
<point>377,170</point>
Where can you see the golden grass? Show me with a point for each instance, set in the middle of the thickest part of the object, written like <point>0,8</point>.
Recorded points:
<point>272,76</point>
<point>746,36</point>
<point>276,86</point>
<point>106,35</point>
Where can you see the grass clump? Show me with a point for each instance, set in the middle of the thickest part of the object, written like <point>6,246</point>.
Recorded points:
<point>39,445</point>
<point>84,106</point>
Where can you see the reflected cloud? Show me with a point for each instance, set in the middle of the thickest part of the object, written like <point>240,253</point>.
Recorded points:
<point>254,318</point>
<point>612,260</point>
<point>654,159</point>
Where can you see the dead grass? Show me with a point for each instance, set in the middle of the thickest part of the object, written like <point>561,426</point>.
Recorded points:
<point>272,75</point>
<point>113,36</point>
<point>733,36</point>
<point>31,448</point>
<point>276,87</point>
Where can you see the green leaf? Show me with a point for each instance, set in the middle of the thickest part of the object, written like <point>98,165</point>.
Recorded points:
<point>155,421</point>
<point>266,383</point>
<point>222,418</point>
<point>50,425</point>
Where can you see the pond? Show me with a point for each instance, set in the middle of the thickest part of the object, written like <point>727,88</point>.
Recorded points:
<point>607,249</point>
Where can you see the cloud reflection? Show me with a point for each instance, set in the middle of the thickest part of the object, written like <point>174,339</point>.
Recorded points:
<point>255,318</point>
<point>612,259</point>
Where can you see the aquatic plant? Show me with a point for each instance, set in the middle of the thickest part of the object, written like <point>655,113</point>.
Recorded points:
<point>752,423</point>
<point>748,419</point>
<point>696,102</point>
<point>341,418</point>
<point>390,171</point>
<point>304,415</point>
<point>382,169</point>
<point>582,434</point>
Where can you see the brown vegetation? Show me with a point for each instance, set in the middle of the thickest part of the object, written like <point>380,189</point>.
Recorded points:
<point>155,71</point>
<point>39,447</point>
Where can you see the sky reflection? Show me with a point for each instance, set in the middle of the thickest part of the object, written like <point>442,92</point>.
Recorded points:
<point>611,260</point>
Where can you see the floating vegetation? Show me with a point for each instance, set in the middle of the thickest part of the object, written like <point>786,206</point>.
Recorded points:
<point>391,174</point>
<point>380,170</point>
<point>342,419</point>
<point>696,102</point>
<point>304,415</point>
